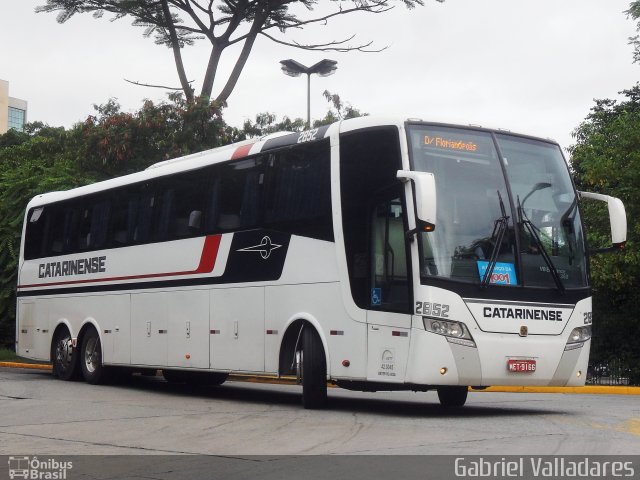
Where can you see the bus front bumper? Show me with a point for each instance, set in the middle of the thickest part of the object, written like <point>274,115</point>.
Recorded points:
<point>435,360</point>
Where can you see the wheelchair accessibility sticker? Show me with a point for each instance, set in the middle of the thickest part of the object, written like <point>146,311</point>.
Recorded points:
<point>376,296</point>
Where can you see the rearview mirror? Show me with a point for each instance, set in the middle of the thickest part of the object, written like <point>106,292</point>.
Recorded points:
<point>617,219</point>
<point>425,190</point>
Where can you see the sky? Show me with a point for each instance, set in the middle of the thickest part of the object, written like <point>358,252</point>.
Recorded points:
<point>529,66</point>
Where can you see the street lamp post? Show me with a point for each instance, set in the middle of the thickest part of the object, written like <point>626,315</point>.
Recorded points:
<point>323,68</point>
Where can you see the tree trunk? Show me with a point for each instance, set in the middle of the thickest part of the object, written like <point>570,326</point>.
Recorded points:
<point>238,67</point>
<point>177,55</point>
<point>212,68</point>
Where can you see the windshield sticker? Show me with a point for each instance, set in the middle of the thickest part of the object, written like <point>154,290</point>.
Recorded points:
<point>503,273</point>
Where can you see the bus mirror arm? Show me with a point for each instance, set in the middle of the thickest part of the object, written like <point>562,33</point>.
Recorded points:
<point>425,199</point>
<point>617,220</point>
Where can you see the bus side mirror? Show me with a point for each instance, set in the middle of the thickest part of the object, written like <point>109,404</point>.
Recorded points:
<point>425,199</point>
<point>617,219</point>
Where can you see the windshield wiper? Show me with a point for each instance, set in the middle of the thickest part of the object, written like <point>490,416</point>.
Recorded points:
<point>524,221</point>
<point>568,227</point>
<point>499,227</point>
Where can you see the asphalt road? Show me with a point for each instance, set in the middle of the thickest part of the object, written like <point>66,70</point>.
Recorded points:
<point>42,415</point>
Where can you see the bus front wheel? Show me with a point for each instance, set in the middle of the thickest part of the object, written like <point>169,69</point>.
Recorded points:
<point>312,370</point>
<point>93,371</point>
<point>63,355</point>
<point>452,396</point>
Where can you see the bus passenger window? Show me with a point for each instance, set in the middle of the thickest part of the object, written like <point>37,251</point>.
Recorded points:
<point>239,192</point>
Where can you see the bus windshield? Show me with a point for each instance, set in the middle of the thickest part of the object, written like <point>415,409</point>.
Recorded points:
<point>534,235</point>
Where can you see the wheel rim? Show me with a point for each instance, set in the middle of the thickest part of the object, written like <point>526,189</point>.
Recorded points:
<point>64,352</point>
<point>299,355</point>
<point>91,353</point>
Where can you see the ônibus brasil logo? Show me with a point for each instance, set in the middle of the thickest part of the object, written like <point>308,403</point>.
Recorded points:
<point>34,469</point>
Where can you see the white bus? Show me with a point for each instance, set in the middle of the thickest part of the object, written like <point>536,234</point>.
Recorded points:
<point>374,254</point>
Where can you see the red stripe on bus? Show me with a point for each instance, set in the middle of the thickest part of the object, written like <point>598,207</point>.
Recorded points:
<point>242,151</point>
<point>209,254</point>
<point>207,262</point>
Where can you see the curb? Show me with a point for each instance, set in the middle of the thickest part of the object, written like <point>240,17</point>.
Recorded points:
<point>586,390</point>
<point>32,366</point>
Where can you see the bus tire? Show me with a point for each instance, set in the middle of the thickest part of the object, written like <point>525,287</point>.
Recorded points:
<point>93,371</point>
<point>313,370</point>
<point>64,358</point>
<point>452,396</point>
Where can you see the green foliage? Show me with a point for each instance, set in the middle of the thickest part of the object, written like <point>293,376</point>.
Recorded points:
<point>634,14</point>
<point>37,165</point>
<point>267,123</point>
<point>115,142</point>
<point>606,159</point>
<point>338,110</point>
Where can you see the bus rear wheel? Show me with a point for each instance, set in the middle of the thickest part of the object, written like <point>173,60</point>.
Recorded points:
<point>312,370</point>
<point>64,357</point>
<point>93,371</point>
<point>452,396</point>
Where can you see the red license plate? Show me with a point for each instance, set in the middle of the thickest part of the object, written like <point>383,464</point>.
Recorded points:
<point>521,366</point>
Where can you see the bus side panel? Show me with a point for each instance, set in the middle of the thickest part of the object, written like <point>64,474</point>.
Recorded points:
<point>237,326</point>
<point>107,313</point>
<point>111,315</point>
<point>35,330</point>
<point>320,304</point>
<point>149,326</point>
<point>188,325</point>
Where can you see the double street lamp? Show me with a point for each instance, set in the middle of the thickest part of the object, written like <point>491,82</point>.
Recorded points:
<point>323,68</point>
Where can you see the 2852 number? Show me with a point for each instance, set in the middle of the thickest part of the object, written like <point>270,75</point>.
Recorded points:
<point>432,309</point>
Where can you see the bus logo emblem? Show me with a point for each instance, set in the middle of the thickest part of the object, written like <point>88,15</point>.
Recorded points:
<point>524,331</point>
<point>265,248</point>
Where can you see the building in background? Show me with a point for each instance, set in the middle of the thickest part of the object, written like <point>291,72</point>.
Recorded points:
<point>13,111</point>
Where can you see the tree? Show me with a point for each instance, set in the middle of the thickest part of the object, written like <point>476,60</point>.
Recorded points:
<point>634,13</point>
<point>340,111</point>
<point>606,159</point>
<point>224,23</point>
<point>113,142</point>
<point>39,163</point>
<point>267,123</point>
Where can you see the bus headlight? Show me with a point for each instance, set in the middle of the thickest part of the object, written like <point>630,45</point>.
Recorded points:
<point>578,336</point>
<point>455,332</point>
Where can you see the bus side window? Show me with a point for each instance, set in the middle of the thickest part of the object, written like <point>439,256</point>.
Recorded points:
<point>213,204</point>
<point>61,230</point>
<point>142,205</point>
<point>93,223</point>
<point>239,194</point>
<point>35,233</point>
<point>118,219</point>
<point>297,196</point>
<point>182,205</point>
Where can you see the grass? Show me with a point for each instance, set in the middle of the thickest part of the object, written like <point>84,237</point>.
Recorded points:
<point>8,355</point>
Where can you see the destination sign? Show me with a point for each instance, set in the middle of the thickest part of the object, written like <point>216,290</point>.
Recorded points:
<point>453,142</point>
<point>450,143</point>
